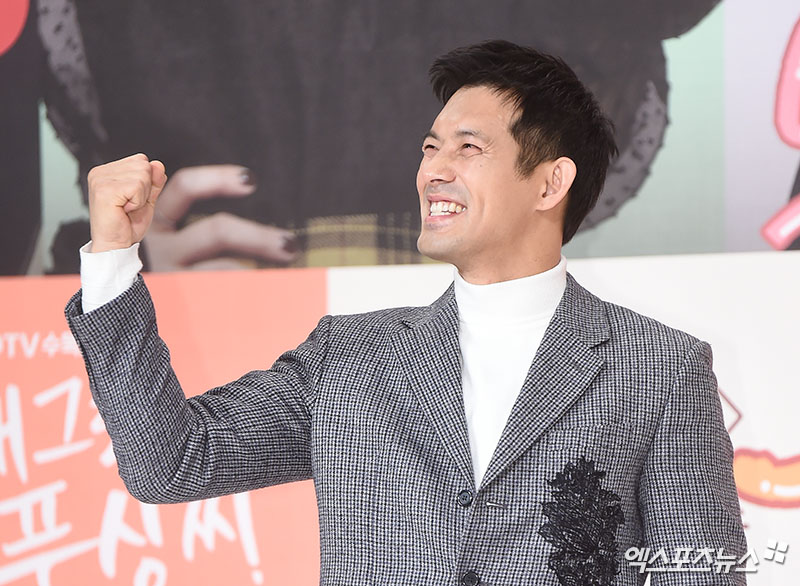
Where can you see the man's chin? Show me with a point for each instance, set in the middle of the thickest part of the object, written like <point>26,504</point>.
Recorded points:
<point>436,249</point>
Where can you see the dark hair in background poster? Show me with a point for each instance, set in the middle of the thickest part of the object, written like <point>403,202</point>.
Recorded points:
<point>325,106</point>
<point>21,69</point>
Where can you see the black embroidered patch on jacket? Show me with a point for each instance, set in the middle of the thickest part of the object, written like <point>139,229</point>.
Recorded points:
<point>582,526</point>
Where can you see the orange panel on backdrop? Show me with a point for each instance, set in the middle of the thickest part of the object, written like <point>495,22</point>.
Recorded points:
<point>65,517</point>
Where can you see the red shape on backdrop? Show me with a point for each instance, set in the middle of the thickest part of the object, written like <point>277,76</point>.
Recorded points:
<point>13,14</point>
<point>737,417</point>
<point>787,100</point>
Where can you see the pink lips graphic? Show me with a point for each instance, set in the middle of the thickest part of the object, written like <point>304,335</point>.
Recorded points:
<point>764,479</point>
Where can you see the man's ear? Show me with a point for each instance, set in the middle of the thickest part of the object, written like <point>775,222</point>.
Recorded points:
<point>559,176</point>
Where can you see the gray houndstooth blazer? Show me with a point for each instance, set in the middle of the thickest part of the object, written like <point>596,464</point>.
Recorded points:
<point>370,407</point>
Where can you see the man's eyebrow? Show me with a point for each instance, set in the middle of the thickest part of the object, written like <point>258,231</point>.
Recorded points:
<point>461,132</point>
<point>471,132</point>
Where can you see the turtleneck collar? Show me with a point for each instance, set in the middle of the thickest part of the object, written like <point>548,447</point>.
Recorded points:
<point>512,302</point>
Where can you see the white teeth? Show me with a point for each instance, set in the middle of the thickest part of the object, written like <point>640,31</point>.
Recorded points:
<point>445,208</point>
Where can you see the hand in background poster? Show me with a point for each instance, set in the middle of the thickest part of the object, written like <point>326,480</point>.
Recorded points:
<point>220,241</point>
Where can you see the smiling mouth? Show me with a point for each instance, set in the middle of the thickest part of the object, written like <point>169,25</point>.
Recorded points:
<point>445,208</point>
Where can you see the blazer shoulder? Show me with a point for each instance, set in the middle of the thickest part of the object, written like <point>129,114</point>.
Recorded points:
<point>389,321</point>
<point>599,320</point>
<point>630,326</point>
<point>384,320</point>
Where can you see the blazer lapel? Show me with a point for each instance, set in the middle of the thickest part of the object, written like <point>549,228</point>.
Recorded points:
<point>429,354</point>
<point>563,367</point>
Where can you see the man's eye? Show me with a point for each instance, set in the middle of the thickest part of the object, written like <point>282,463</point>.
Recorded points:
<point>427,148</point>
<point>468,145</point>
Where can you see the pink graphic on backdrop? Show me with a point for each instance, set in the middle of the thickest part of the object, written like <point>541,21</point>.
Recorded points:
<point>13,14</point>
<point>787,100</point>
<point>767,480</point>
<point>784,227</point>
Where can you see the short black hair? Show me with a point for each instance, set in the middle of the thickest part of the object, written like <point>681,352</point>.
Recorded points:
<point>557,115</point>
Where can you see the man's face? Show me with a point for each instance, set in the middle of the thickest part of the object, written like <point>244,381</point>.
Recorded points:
<point>476,210</point>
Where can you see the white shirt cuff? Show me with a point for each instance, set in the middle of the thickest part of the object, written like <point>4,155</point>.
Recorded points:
<point>106,275</point>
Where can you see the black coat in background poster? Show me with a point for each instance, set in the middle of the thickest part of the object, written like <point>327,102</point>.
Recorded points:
<point>310,114</point>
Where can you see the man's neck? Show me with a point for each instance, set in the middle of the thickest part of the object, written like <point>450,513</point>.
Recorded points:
<point>509,269</point>
<point>514,302</point>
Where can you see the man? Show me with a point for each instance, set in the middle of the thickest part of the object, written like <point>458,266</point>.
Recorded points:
<point>517,431</point>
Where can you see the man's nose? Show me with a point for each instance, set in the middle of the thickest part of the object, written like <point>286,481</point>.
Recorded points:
<point>437,168</point>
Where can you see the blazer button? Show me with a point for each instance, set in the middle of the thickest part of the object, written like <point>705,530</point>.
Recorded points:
<point>465,498</point>
<point>470,579</point>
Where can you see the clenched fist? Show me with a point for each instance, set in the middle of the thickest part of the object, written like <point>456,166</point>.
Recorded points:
<point>122,197</point>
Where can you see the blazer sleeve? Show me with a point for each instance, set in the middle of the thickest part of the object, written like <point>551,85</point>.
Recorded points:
<point>687,493</point>
<point>247,434</point>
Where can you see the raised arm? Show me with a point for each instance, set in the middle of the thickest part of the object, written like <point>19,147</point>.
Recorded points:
<point>250,433</point>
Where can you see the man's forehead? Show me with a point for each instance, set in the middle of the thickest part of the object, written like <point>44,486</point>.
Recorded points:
<point>475,111</point>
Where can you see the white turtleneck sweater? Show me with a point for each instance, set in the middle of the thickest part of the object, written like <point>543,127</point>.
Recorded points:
<point>500,328</point>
